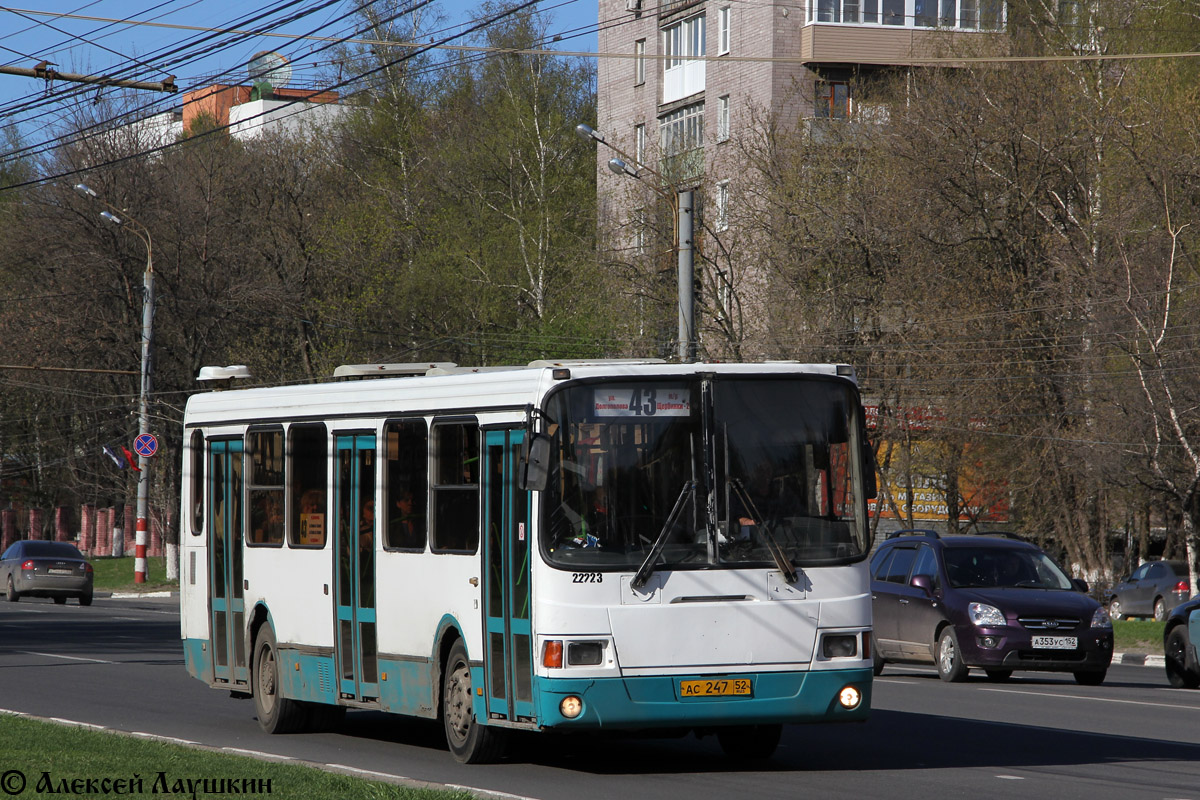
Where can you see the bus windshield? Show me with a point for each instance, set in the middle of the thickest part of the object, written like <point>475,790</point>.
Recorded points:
<point>743,471</point>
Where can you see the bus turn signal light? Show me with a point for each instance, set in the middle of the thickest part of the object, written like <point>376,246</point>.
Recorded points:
<point>552,654</point>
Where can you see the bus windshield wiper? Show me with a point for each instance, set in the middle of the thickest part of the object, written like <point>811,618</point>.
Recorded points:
<point>781,559</point>
<point>647,567</point>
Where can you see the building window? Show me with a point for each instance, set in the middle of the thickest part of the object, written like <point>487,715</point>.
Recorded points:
<point>682,130</point>
<point>721,201</point>
<point>681,142</point>
<point>723,118</point>
<point>831,100</point>
<point>723,30</point>
<point>639,232</point>
<point>639,144</point>
<point>985,15</point>
<point>923,13</point>
<point>683,70</point>
<point>639,62</point>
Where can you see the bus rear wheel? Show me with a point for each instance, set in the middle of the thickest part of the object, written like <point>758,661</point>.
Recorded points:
<point>750,742</point>
<point>470,742</point>
<point>276,713</point>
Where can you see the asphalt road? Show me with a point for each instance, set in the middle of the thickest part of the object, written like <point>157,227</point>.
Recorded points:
<point>118,665</point>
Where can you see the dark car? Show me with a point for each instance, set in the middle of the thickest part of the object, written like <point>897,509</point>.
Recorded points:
<point>987,601</point>
<point>31,568</point>
<point>1181,636</point>
<point>1152,590</point>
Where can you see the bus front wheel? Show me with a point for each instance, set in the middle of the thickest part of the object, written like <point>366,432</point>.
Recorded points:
<point>470,742</point>
<point>276,713</point>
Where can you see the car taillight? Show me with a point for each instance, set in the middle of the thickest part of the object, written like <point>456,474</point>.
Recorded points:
<point>28,565</point>
<point>1182,586</point>
<point>87,568</point>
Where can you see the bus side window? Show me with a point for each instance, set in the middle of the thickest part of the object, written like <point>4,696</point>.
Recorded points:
<point>407,484</point>
<point>456,487</point>
<point>308,467</point>
<point>197,483</point>
<point>266,487</point>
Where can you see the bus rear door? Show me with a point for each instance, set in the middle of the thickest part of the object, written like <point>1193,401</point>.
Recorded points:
<point>355,531</point>
<point>509,646</point>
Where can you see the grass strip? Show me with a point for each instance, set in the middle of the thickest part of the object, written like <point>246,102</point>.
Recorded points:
<point>1138,636</point>
<point>116,575</point>
<point>74,761</point>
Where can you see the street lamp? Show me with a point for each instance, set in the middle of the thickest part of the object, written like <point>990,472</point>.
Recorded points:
<point>681,207</point>
<point>125,219</point>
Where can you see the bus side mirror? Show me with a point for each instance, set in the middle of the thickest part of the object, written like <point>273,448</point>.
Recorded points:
<point>869,471</point>
<point>537,463</point>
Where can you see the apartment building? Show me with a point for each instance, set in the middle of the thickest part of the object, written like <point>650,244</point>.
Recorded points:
<point>679,79</point>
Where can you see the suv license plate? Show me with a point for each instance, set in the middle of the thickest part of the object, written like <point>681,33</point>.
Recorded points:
<point>716,688</point>
<point>1055,642</point>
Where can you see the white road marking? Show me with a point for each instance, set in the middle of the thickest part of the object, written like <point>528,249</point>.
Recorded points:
<point>1010,777</point>
<point>154,737</point>
<point>257,754</point>
<point>68,658</point>
<point>77,724</point>
<point>357,771</point>
<point>488,792</point>
<point>1093,699</point>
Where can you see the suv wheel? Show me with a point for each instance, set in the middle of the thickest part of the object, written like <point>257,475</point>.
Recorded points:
<point>950,666</point>
<point>1176,660</point>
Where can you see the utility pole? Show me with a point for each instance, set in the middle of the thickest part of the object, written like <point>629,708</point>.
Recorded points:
<point>143,484</point>
<point>681,206</point>
<point>46,71</point>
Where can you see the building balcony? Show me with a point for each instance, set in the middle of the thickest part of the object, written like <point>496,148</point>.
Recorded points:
<point>892,45</point>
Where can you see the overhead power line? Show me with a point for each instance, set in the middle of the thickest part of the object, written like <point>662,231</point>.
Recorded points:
<point>726,58</point>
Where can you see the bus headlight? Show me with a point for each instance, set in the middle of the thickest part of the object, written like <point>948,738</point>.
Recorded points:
<point>571,707</point>
<point>850,697</point>
<point>839,645</point>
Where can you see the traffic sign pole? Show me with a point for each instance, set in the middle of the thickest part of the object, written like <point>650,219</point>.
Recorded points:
<point>145,445</point>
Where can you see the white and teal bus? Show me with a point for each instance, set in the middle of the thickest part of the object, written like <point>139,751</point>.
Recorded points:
<point>566,546</point>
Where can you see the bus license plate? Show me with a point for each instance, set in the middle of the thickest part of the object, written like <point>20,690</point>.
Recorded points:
<point>1055,642</point>
<point>716,688</point>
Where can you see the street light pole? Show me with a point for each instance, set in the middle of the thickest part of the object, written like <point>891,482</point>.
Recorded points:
<point>113,215</point>
<point>682,211</point>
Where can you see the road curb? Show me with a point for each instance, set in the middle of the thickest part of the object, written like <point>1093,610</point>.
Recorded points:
<point>1139,660</point>
<point>139,595</point>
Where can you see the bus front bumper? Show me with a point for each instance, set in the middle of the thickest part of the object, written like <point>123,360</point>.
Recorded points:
<point>657,702</point>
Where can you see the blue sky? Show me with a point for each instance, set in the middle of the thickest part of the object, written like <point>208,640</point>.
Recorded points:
<point>29,33</point>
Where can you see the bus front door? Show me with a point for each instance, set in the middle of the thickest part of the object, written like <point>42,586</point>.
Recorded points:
<point>354,575</point>
<point>228,616</point>
<point>508,660</point>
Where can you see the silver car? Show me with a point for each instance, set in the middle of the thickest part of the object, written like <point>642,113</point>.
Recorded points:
<point>1152,590</point>
<point>46,569</point>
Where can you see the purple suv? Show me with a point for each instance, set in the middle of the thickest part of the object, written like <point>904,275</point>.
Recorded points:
<point>989,601</point>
